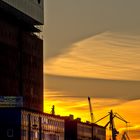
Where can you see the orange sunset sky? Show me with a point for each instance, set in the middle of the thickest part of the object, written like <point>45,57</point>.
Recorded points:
<point>92,48</point>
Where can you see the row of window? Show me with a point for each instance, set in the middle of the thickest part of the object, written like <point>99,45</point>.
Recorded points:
<point>99,131</point>
<point>31,44</point>
<point>84,128</point>
<point>50,122</point>
<point>35,135</point>
<point>55,123</point>
<point>8,34</point>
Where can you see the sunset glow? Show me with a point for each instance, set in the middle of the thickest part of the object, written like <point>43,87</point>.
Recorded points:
<point>79,107</point>
<point>93,49</point>
<point>109,56</point>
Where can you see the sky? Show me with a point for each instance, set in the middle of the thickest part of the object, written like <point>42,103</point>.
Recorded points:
<point>92,48</point>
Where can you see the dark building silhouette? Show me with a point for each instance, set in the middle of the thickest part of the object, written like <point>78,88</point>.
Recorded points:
<point>21,53</point>
<point>75,129</point>
<point>27,124</point>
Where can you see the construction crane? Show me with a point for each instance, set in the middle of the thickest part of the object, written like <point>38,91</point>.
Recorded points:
<point>125,136</point>
<point>112,125</point>
<point>91,112</point>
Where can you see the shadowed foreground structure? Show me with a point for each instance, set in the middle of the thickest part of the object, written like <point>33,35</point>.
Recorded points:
<point>21,57</point>
<point>21,79</point>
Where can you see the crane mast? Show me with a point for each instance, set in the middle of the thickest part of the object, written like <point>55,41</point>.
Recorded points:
<point>90,108</point>
<point>112,125</point>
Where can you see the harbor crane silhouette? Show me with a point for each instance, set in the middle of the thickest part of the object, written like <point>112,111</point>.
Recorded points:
<point>112,125</point>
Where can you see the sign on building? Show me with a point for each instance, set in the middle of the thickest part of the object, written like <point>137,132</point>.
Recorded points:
<point>11,101</point>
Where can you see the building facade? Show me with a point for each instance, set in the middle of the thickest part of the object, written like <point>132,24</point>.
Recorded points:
<point>77,130</point>
<point>84,131</point>
<point>25,124</point>
<point>99,132</point>
<point>21,51</point>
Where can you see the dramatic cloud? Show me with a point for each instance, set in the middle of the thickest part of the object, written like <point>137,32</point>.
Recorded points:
<point>92,48</point>
<point>69,21</point>
<point>109,55</point>
<point>96,88</point>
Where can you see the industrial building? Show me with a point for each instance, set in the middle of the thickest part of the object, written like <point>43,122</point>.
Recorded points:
<point>98,132</point>
<point>26,124</point>
<point>21,52</point>
<point>77,130</point>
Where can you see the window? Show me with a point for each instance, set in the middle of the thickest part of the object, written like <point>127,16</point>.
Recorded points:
<point>32,134</point>
<point>23,133</point>
<point>32,91</point>
<point>10,133</point>
<point>39,1</point>
<point>36,134</point>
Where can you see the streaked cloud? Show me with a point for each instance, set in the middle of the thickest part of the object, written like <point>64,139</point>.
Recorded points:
<point>71,21</point>
<point>96,88</point>
<point>105,56</point>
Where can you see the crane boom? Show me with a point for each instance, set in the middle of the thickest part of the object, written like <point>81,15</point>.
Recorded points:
<point>90,108</point>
